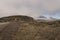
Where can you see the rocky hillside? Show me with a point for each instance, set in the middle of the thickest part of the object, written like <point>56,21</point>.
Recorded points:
<point>29,29</point>
<point>16,18</point>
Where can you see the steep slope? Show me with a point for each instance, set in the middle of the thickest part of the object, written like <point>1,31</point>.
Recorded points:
<point>30,30</point>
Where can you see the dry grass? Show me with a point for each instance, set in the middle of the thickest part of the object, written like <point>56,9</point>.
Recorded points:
<point>33,30</point>
<point>39,31</point>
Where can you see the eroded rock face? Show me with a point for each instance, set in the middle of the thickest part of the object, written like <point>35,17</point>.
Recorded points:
<point>16,18</point>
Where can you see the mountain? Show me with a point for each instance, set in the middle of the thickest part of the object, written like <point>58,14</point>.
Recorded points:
<point>46,19</point>
<point>28,29</point>
<point>42,17</point>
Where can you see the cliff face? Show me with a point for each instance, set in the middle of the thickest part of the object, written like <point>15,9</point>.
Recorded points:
<point>29,29</point>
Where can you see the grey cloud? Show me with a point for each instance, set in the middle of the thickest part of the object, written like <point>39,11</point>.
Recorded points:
<point>32,8</point>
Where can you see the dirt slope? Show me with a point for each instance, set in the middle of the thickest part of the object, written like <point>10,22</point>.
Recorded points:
<point>9,31</point>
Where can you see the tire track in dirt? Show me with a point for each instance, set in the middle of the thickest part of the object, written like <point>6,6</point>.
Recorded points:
<point>9,32</point>
<point>2,25</point>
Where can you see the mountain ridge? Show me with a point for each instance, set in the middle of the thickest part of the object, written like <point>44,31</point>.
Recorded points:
<point>16,18</point>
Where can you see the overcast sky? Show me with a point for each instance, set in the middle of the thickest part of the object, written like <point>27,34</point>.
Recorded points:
<point>33,8</point>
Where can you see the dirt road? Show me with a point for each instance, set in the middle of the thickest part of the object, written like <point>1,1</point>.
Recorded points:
<point>9,31</point>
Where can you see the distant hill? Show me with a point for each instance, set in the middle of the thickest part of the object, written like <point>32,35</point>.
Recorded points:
<point>16,18</point>
<point>42,17</point>
<point>46,19</point>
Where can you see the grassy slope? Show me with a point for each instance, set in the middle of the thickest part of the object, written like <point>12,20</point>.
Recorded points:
<point>39,31</point>
<point>33,30</point>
